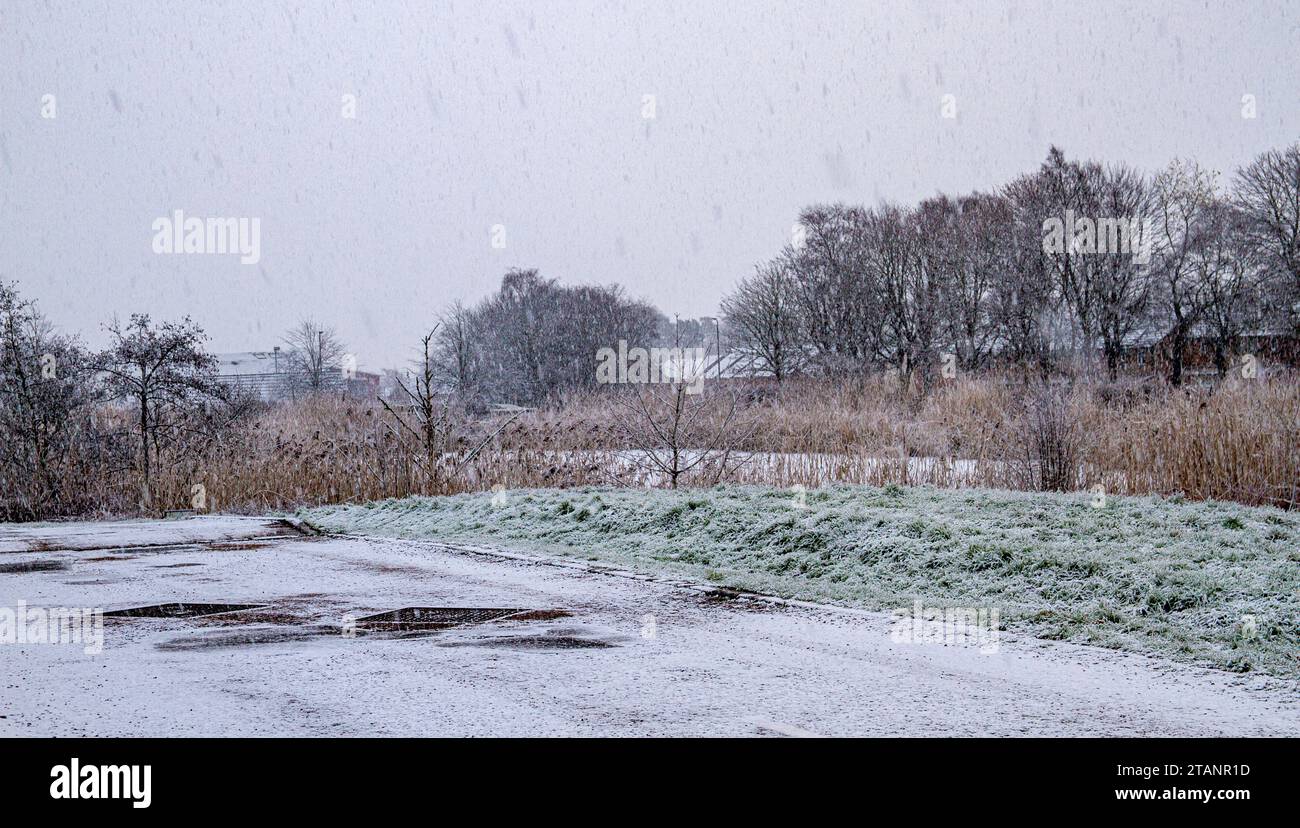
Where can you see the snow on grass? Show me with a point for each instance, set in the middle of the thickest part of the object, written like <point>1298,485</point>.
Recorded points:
<point>1207,582</point>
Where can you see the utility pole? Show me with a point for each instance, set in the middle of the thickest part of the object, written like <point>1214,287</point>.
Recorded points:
<point>717,327</point>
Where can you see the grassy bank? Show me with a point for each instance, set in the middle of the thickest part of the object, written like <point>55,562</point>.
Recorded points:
<point>1155,575</point>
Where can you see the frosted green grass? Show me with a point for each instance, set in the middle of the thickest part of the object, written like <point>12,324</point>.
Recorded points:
<point>1211,583</point>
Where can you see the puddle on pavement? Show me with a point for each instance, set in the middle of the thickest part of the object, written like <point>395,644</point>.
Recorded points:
<point>33,566</point>
<point>246,636</point>
<point>239,625</point>
<point>157,549</point>
<point>180,610</point>
<point>233,546</point>
<point>262,615</point>
<point>532,642</point>
<point>432,619</point>
<point>175,565</point>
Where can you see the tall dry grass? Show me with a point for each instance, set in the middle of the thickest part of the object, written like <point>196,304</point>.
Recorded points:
<point>1238,441</point>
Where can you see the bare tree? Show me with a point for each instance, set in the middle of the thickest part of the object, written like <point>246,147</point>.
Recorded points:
<point>1227,267</point>
<point>437,427</point>
<point>164,372</point>
<point>534,337</point>
<point>762,315</point>
<point>44,385</point>
<point>431,412</point>
<point>906,268</point>
<point>1121,282</point>
<point>1182,195</point>
<point>1268,193</point>
<point>836,297</point>
<point>1024,300</point>
<point>976,257</point>
<point>680,427</point>
<point>456,357</point>
<point>1065,187</point>
<point>315,357</point>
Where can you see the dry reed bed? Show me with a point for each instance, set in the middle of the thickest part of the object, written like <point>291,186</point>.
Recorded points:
<point>1239,441</point>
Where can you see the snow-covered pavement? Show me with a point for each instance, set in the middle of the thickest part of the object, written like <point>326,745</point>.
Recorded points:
<point>634,655</point>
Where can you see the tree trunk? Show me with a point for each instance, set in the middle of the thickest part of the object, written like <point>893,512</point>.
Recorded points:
<point>146,499</point>
<point>1220,359</point>
<point>1112,362</point>
<point>1177,349</point>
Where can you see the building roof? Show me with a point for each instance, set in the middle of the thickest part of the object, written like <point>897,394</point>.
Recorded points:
<point>251,362</point>
<point>735,364</point>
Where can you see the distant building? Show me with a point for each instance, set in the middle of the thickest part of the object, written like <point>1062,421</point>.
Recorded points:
<point>269,376</point>
<point>260,373</point>
<point>736,365</point>
<point>1269,345</point>
<point>363,385</point>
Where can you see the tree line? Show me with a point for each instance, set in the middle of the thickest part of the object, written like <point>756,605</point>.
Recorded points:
<point>74,421</point>
<point>986,278</point>
<point>534,337</point>
<point>976,276</point>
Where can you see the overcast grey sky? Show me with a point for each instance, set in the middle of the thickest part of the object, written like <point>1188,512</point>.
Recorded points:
<point>531,115</point>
